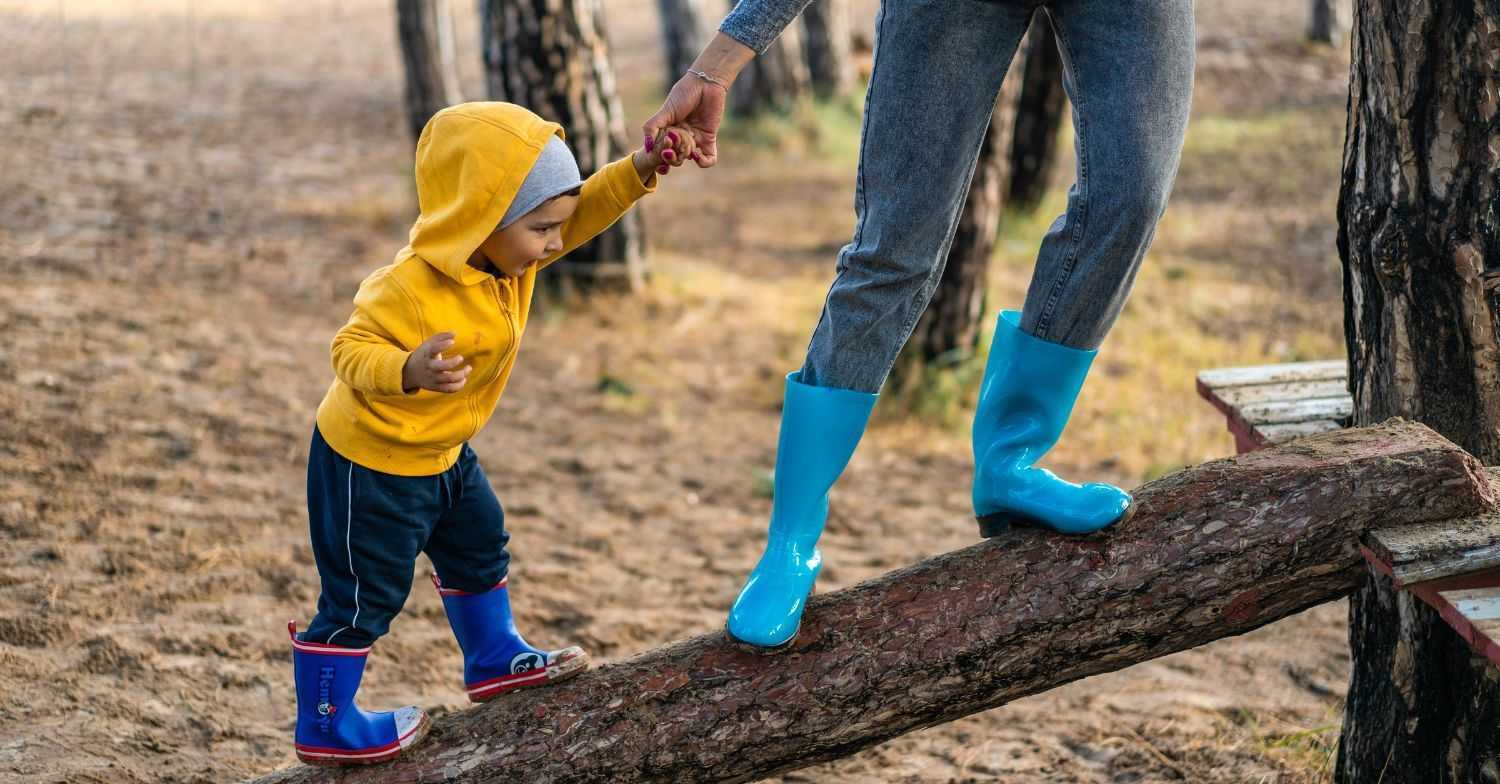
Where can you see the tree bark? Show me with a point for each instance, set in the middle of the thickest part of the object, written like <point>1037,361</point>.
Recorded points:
<point>1039,115</point>
<point>828,40</point>
<point>683,35</point>
<point>774,81</point>
<point>1420,241</point>
<point>551,57</point>
<point>1323,25</point>
<point>1214,550</point>
<point>425,29</point>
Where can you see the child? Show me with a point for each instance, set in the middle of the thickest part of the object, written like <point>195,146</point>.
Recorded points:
<point>420,367</point>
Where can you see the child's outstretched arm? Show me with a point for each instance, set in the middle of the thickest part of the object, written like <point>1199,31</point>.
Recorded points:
<point>369,352</point>
<point>614,189</point>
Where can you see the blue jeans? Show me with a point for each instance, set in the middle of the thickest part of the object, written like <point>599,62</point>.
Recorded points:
<point>938,68</point>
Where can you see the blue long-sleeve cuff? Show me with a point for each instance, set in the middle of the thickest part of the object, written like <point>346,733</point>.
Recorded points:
<point>757,23</point>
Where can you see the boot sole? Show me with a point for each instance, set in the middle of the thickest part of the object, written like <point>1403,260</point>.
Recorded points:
<point>1000,523</point>
<point>345,762</point>
<point>761,650</point>
<point>569,669</point>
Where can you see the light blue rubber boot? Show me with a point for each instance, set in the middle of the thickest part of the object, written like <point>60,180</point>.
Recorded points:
<point>1029,389</point>
<point>819,429</point>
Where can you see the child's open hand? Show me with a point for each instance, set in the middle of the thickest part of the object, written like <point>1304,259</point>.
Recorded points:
<point>427,368</point>
<point>672,147</point>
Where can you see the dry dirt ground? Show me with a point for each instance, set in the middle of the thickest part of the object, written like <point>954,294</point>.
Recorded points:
<point>189,194</point>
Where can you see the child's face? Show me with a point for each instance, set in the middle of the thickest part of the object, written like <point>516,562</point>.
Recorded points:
<point>537,235</point>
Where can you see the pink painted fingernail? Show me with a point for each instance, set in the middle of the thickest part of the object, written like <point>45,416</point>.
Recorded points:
<point>663,169</point>
<point>668,155</point>
<point>673,136</point>
<point>697,157</point>
<point>649,145</point>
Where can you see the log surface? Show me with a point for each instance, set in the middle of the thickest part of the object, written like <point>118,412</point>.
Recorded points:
<point>1432,551</point>
<point>1213,551</point>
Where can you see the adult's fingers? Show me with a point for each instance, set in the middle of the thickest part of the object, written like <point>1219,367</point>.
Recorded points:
<point>667,115</point>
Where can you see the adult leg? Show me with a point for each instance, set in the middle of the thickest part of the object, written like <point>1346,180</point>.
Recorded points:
<point>937,74</point>
<point>1128,71</point>
<point>938,68</point>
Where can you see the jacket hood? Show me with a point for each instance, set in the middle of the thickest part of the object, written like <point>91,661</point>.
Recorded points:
<point>471,160</point>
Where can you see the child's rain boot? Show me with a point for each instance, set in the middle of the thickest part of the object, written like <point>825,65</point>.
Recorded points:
<point>331,729</point>
<point>496,657</point>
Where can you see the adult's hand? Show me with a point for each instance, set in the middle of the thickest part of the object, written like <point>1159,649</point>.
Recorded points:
<point>697,104</point>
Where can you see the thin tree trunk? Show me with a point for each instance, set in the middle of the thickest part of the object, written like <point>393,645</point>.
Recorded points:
<point>1215,550</point>
<point>1039,115</point>
<point>551,57</point>
<point>1323,23</point>
<point>425,29</point>
<point>683,35</point>
<point>773,81</point>
<point>828,40</point>
<point>1420,242</point>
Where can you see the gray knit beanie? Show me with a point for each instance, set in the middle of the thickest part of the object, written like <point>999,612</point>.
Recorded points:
<point>555,173</point>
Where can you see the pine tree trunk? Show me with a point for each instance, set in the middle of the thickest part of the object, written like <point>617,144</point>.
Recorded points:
<point>551,57</point>
<point>683,35</point>
<point>1420,241</point>
<point>1213,551</point>
<point>828,40</point>
<point>1039,115</point>
<point>425,29</point>
<point>1323,22</point>
<point>950,328</point>
<point>774,81</point>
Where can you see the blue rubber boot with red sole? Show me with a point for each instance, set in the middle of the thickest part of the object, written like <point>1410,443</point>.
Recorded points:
<point>331,728</point>
<point>497,659</point>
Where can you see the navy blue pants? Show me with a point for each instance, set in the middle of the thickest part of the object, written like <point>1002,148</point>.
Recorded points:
<point>368,526</point>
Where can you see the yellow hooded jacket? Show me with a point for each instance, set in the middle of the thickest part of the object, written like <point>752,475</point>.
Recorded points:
<point>471,161</point>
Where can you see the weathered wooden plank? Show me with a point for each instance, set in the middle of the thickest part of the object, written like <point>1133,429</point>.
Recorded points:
<point>1432,551</point>
<point>1285,412</point>
<point>1294,390</point>
<point>1267,435</point>
<point>1473,613</point>
<point>1476,604</point>
<point>1322,370</point>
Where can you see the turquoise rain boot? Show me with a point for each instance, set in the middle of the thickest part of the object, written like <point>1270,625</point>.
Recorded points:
<point>819,429</point>
<point>1029,389</point>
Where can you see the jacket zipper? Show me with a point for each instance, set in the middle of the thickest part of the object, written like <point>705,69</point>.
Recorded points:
<point>509,314</point>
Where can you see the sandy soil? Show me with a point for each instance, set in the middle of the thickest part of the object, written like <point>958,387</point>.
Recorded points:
<point>188,199</point>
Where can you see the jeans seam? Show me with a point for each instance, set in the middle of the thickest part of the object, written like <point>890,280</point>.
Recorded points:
<point>934,277</point>
<point>1044,320</point>
<point>859,178</point>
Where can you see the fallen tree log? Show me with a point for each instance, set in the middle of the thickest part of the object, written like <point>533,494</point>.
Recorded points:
<point>1213,551</point>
